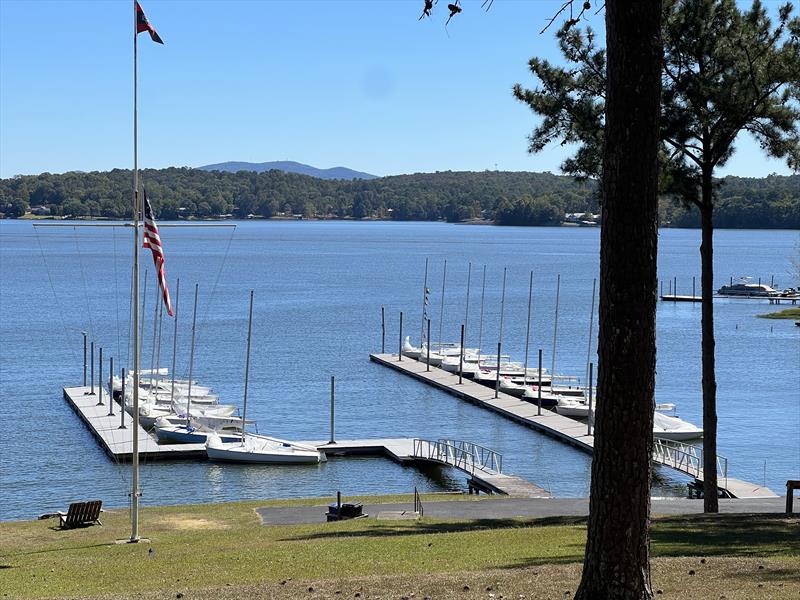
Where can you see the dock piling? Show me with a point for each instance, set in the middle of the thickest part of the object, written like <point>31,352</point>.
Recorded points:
<point>461,358</point>
<point>100,380</point>
<point>693,286</point>
<point>539,387</point>
<point>84,358</point>
<point>497,377</point>
<point>591,415</point>
<point>333,400</point>
<point>428,348</point>
<point>91,390</point>
<point>111,386</point>
<point>400,346</point>
<point>122,404</point>
<point>675,287</point>
<point>383,330</point>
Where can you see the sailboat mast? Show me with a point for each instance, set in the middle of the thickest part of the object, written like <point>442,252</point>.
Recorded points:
<point>175,343</point>
<point>191,355</point>
<point>441,306</point>
<point>528,332</point>
<point>480,326</point>
<point>247,367</point>
<point>591,322</point>
<point>466,311</point>
<point>424,307</point>
<point>555,330</point>
<point>135,458</point>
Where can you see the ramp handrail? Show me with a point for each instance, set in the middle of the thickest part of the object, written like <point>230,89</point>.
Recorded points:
<point>685,458</point>
<point>466,456</point>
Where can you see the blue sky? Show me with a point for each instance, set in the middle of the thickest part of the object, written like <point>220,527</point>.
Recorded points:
<point>360,84</point>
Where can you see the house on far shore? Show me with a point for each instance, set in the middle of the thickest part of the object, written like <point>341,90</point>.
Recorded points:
<point>40,211</point>
<point>584,219</point>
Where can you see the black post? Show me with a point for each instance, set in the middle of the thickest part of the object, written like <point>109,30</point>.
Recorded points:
<point>662,288</point>
<point>400,349</point>
<point>383,330</point>
<point>333,392</point>
<point>461,358</point>
<point>110,387</point>
<point>772,285</point>
<point>497,379</point>
<point>100,380</point>
<point>428,348</point>
<point>539,387</point>
<point>122,404</point>
<point>693,279</point>
<point>589,420</point>
<point>675,289</point>
<point>84,359</point>
<point>91,391</point>
<point>759,282</point>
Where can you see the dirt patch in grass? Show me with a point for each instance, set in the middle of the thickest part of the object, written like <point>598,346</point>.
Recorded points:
<point>189,523</point>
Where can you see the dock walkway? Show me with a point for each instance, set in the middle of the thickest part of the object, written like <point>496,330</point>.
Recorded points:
<point>118,443</point>
<point>548,422</point>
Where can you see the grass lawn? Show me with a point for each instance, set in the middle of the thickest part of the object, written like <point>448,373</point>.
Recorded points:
<point>222,551</point>
<point>789,313</point>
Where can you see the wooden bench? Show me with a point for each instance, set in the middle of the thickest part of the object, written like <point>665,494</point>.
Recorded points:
<point>81,514</point>
<point>791,486</point>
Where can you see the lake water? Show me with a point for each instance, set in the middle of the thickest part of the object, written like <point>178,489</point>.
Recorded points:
<point>319,288</point>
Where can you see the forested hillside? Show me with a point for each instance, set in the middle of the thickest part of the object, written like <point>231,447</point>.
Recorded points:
<point>507,198</point>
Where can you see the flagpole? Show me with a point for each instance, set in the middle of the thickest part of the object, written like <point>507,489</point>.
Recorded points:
<point>135,458</point>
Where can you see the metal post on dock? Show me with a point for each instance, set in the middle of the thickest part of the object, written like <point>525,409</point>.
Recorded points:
<point>84,358</point>
<point>772,285</point>
<point>333,400</point>
<point>100,380</point>
<point>693,286</point>
<point>497,377</point>
<point>674,289</point>
<point>110,387</point>
<point>91,382</point>
<point>591,416</point>
<point>428,348</point>
<point>122,404</point>
<point>383,330</point>
<point>661,283</point>
<point>461,358</point>
<point>539,387</point>
<point>400,348</point>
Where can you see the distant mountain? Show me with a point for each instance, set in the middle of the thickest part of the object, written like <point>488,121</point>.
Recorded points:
<point>289,167</point>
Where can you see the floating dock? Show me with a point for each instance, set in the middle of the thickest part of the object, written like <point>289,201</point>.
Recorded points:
<point>791,299</point>
<point>562,428</point>
<point>118,444</point>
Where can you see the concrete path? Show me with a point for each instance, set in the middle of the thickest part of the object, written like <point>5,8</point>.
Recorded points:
<point>509,508</point>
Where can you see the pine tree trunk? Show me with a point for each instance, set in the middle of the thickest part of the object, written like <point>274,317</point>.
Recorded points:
<point>710,498</point>
<point>617,561</point>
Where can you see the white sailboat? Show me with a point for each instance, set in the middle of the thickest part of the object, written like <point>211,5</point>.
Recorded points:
<point>254,448</point>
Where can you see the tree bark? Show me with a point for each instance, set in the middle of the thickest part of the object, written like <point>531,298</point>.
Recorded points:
<point>710,492</point>
<point>617,560</point>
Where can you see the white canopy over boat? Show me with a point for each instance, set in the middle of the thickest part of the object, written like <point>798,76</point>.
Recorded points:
<point>673,428</point>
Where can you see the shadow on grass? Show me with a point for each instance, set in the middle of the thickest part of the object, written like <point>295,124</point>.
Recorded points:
<point>381,529</point>
<point>62,549</point>
<point>726,535</point>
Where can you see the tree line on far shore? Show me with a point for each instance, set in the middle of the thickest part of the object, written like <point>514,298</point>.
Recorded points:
<point>502,197</point>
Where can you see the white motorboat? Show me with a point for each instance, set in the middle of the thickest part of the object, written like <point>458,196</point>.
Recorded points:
<point>672,428</point>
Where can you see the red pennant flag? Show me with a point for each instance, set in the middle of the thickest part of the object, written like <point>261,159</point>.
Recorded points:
<point>142,24</point>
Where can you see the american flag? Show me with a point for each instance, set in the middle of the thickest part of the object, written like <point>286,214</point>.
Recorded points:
<point>153,241</point>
